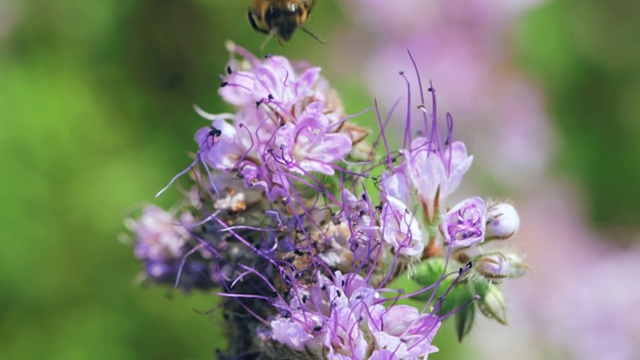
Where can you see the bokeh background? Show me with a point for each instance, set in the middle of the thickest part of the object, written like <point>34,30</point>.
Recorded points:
<point>96,116</point>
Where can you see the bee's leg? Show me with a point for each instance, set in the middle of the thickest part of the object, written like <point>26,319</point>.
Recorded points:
<point>254,25</point>
<point>267,39</point>
<point>313,35</point>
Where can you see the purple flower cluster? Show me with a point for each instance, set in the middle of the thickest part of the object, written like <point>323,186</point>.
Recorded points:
<point>301,223</point>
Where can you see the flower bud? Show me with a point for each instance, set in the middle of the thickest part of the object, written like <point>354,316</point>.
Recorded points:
<point>502,221</point>
<point>518,266</point>
<point>499,265</point>
<point>493,266</point>
<point>428,273</point>
<point>492,302</point>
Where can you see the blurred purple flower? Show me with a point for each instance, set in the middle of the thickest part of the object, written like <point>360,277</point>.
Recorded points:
<point>462,47</point>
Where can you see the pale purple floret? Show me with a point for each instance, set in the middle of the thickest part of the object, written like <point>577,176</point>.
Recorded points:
<point>383,354</point>
<point>297,331</point>
<point>397,185</point>
<point>436,172</point>
<point>221,150</point>
<point>403,330</point>
<point>346,339</point>
<point>311,143</point>
<point>400,228</point>
<point>273,76</point>
<point>159,236</point>
<point>464,224</point>
<point>288,124</point>
<point>329,312</point>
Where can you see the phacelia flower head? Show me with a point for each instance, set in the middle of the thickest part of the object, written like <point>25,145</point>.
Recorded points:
<point>302,234</point>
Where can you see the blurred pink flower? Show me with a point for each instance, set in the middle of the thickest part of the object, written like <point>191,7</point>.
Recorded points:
<point>464,48</point>
<point>580,298</point>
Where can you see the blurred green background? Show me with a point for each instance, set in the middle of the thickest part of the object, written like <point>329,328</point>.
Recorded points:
<point>96,117</point>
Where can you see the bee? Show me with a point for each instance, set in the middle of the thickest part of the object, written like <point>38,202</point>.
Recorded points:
<point>281,18</point>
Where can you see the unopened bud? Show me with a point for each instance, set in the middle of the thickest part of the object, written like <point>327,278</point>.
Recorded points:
<point>428,273</point>
<point>499,265</point>
<point>493,266</point>
<point>492,302</point>
<point>502,221</point>
<point>518,266</point>
<point>464,320</point>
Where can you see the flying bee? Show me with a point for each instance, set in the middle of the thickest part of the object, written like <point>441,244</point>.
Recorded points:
<point>280,18</point>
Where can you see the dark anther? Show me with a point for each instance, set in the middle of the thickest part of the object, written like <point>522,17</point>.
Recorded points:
<point>240,176</point>
<point>224,83</point>
<point>215,132</point>
<point>362,212</point>
<point>401,72</point>
<point>304,299</point>
<point>378,207</point>
<point>267,56</point>
<point>297,276</point>
<point>430,89</point>
<point>469,264</point>
<point>270,97</point>
<point>364,196</point>
<point>274,294</point>
<point>298,252</point>
<point>229,71</point>
<point>259,102</point>
<point>241,125</point>
<point>342,282</point>
<point>339,292</point>
<point>317,328</point>
<point>323,288</point>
